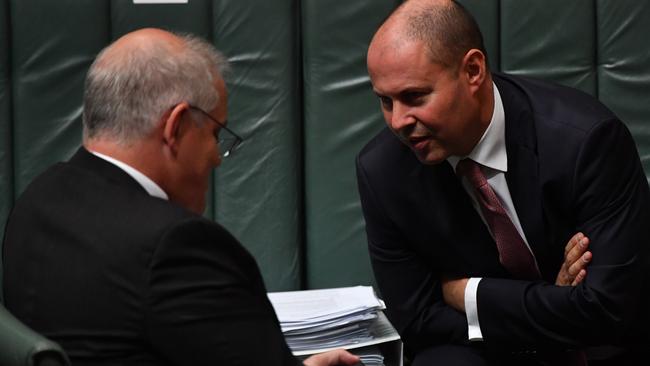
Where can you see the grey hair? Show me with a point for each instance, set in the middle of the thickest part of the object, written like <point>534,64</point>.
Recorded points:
<point>125,97</point>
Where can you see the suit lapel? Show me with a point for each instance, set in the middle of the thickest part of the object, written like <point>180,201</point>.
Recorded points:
<point>523,174</point>
<point>469,247</point>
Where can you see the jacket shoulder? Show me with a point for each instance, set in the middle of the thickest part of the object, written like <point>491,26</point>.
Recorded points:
<point>554,103</point>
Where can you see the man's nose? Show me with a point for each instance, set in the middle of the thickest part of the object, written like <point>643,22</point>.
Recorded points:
<point>401,118</point>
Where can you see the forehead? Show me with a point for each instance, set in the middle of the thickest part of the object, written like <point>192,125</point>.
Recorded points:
<point>394,67</point>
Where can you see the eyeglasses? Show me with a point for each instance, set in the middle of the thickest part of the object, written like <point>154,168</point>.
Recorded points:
<point>228,141</point>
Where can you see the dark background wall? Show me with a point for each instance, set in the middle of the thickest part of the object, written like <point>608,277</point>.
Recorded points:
<point>301,97</point>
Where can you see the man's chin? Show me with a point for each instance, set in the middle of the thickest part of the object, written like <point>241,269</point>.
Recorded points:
<point>430,158</point>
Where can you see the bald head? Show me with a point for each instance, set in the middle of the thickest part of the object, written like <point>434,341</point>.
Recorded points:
<point>137,78</point>
<point>142,42</point>
<point>446,28</point>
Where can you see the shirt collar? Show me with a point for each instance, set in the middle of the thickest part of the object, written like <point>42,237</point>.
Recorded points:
<point>149,185</point>
<point>490,151</point>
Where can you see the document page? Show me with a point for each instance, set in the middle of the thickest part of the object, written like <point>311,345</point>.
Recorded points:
<point>311,305</point>
<point>347,317</point>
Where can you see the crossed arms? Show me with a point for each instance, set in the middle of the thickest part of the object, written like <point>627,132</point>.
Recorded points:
<point>609,203</point>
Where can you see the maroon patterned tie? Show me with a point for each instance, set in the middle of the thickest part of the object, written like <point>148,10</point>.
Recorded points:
<point>513,252</point>
<point>514,255</point>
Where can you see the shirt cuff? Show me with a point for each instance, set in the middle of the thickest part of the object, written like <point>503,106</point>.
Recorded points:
<point>471,310</point>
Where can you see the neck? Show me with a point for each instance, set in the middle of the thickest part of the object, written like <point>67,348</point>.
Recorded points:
<point>486,98</point>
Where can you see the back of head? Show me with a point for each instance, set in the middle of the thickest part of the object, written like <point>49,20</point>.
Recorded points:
<point>135,80</point>
<point>446,27</point>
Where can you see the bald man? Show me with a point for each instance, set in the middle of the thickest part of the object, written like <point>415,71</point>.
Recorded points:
<point>108,253</point>
<point>487,194</point>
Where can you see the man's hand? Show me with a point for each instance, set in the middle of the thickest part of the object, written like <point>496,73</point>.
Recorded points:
<point>576,258</point>
<point>573,271</point>
<point>453,292</point>
<point>332,358</point>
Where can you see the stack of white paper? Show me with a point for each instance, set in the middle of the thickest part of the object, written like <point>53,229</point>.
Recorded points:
<point>370,356</point>
<point>330,318</point>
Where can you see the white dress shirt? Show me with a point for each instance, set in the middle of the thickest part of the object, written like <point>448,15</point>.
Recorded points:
<point>149,185</point>
<point>490,152</point>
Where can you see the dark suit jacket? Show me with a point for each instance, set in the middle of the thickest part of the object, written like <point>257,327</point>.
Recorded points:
<point>572,166</point>
<point>119,277</point>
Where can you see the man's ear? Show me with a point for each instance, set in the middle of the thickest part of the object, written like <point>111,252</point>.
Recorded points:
<point>172,126</point>
<point>474,68</point>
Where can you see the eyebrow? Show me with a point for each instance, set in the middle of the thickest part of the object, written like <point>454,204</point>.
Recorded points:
<point>406,91</point>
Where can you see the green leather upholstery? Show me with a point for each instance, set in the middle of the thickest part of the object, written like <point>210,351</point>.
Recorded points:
<point>257,193</point>
<point>6,156</point>
<point>52,45</point>
<point>538,40</point>
<point>300,95</point>
<point>340,113</point>
<point>20,346</point>
<point>624,66</point>
<point>487,15</point>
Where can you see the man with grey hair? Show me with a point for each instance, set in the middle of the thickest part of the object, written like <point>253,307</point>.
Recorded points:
<point>108,253</point>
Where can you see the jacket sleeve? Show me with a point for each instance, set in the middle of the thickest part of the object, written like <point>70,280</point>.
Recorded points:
<point>207,304</point>
<point>408,284</point>
<point>611,205</point>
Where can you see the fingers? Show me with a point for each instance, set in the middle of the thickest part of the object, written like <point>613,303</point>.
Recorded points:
<point>332,358</point>
<point>574,244</point>
<point>579,277</point>
<point>576,258</point>
<point>579,244</point>
<point>575,239</point>
<point>347,358</point>
<point>579,264</point>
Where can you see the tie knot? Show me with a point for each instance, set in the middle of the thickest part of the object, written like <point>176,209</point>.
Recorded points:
<point>471,170</point>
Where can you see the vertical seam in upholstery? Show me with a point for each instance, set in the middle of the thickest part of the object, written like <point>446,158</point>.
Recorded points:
<point>109,11</point>
<point>210,12</point>
<point>301,207</point>
<point>596,48</point>
<point>498,37</point>
<point>11,179</point>
<point>9,158</point>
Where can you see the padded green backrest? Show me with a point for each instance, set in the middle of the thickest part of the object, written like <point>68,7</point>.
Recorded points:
<point>258,191</point>
<point>341,112</point>
<point>623,60</point>
<point>20,346</point>
<point>6,160</point>
<point>552,40</point>
<point>300,95</point>
<point>52,45</point>
<point>487,15</point>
